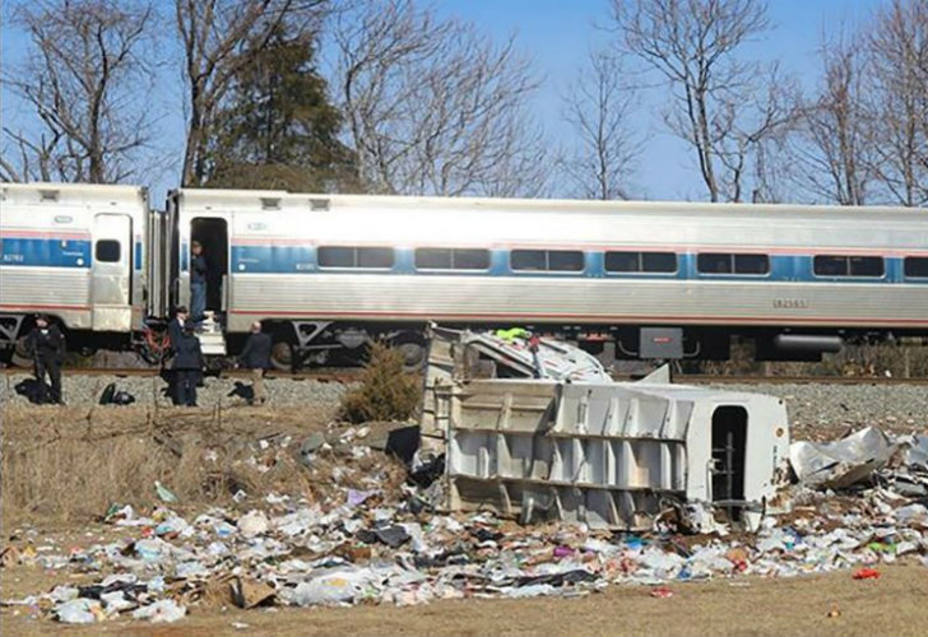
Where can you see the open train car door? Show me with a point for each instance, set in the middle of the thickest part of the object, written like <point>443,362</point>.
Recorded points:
<point>111,285</point>
<point>213,235</point>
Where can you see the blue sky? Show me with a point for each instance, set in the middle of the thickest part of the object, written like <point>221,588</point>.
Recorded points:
<point>557,35</point>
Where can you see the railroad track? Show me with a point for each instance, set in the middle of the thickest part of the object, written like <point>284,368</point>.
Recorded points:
<point>350,374</point>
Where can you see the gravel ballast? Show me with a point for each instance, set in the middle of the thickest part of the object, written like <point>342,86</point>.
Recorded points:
<point>85,389</point>
<point>831,408</point>
<point>814,409</point>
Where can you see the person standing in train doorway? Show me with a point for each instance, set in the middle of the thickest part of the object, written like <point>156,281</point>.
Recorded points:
<point>198,272</point>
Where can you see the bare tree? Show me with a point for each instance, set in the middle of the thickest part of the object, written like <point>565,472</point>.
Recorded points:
<point>598,108</point>
<point>216,37</point>
<point>832,148</point>
<point>82,78</point>
<point>898,48</point>
<point>432,106</point>
<point>724,108</point>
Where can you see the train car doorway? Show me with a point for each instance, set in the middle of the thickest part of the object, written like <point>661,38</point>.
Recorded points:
<point>213,234</point>
<point>729,439</point>
<point>111,263</point>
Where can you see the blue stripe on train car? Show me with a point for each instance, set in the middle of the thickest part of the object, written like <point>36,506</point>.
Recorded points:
<point>56,253</point>
<point>138,255</point>
<point>291,259</point>
<point>273,259</point>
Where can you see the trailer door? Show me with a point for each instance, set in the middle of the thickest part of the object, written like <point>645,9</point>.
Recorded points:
<point>111,288</point>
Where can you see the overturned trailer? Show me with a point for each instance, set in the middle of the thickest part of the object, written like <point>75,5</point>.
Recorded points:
<point>573,445</point>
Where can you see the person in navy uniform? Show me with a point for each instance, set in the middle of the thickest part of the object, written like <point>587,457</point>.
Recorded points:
<point>176,326</point>
<point>46,343</point>
<point>199,269</point>
<point>257,357</point>
<point>188,362</point>
<point>175,334</point>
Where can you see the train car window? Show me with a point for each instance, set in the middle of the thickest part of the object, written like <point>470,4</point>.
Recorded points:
<point>714,263</point>
<point>528,260</point>
<point>658,262</point>
<point>752,264</point>
<point>565,260</point>
<point>107,251</point>
<point>433,258</point>
<point>551,260</point>
<point>916,266</point>
<point>866,266</point>
<point>452,259</point>
<point>349,257</point>
<point>336,257</point>
<point>640,262</point>
<point>375,257</point>
<point>837,265</point>
<point>471,259</point>
<point>622,261</point>
<point>829,265</point>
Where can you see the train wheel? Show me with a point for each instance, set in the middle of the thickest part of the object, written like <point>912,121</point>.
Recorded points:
<point>20,356</point>
<point>282,356</point>
<point>413,349</point>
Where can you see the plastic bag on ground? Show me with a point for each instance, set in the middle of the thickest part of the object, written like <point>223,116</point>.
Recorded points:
<point>79,611</point>
<point>164,610</point>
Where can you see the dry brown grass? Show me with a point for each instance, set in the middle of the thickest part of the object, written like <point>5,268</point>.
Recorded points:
<point>71,463</point>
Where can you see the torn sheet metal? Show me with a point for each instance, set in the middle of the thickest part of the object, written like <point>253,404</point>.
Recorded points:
<point>836,465</point>
<point>460,355</point>
<point>611,455</point>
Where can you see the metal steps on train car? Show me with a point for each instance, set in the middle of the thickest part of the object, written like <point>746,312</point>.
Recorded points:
<point>212,339</point>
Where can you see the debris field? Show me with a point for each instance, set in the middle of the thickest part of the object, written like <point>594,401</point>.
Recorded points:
<point>367,542</point>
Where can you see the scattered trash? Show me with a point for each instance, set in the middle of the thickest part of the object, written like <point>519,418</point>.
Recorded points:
<point>165,610</point>
<point>833,612</point>
<point>866,573</point>
<point>367,539</point>
<point>112,396</point>
<point>253,523</point>
<point>248,593</point>
<point>164,493</point>
<point>839,464</point>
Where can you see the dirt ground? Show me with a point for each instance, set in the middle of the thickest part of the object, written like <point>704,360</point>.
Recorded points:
<point>891,605</point>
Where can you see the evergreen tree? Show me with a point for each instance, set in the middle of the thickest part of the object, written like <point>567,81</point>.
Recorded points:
<point>278,129</point>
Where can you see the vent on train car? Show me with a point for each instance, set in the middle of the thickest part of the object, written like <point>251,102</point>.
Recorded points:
<point>270,203</point>
<point>318,204</point>
<point>48,195</point>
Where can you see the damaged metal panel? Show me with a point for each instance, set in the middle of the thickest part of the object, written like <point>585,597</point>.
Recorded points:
<point>609,454</point>
<point>839,464</point>
<point>462,355</point>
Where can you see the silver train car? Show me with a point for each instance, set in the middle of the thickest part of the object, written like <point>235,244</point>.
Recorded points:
<point>78,252</point>
<point>327,273</point>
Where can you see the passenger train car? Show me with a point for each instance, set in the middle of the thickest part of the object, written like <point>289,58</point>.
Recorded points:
<point>327,273</point>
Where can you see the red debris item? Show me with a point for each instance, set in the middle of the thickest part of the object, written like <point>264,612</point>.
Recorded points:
<point>662,592</point>
<point>866,573</point>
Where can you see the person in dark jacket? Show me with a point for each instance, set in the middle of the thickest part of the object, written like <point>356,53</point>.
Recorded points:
<point>47,346</point>
<point>257,357</point>
<point>198,273</point>
<point>175,334</point>
<point>188,362</point>
<point>176,326</point>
